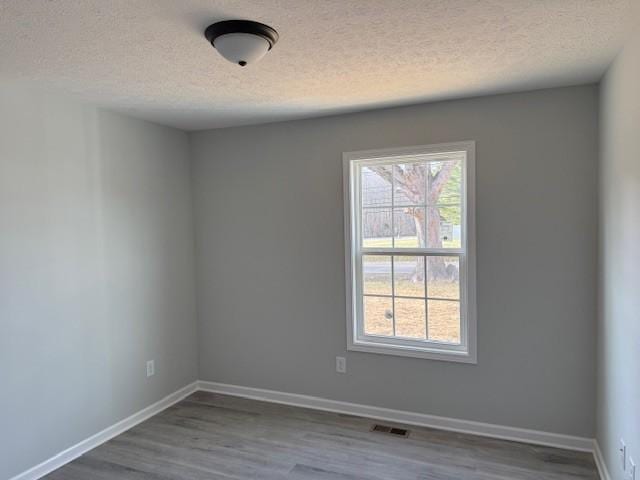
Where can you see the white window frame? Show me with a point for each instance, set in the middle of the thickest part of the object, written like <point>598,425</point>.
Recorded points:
<point>356,339</point>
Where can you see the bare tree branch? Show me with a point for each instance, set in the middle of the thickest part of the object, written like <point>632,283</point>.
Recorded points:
<point>409,179</point>
<point>439,180</point>
<point>383,172</point>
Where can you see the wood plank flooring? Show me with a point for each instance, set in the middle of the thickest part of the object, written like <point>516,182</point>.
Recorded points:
<point>210,436</point>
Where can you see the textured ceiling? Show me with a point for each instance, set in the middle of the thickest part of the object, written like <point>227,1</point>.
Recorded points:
<point>149,59</point>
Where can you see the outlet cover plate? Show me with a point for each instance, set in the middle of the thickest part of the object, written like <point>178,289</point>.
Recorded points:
<point>151,368</point>
<point>341,365</point>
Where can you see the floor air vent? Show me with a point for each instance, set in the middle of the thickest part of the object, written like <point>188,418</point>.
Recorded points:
<point>400,432</point>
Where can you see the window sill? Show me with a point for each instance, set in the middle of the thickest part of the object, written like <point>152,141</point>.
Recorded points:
<point>414,352</point>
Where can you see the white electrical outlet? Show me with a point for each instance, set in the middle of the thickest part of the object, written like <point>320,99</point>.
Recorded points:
<point>151,368</point>
<point>341,365</point>
<point>632,470</point>
<point>622,451</point>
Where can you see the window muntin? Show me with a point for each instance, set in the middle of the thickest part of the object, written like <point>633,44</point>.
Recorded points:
<point>410,263</point>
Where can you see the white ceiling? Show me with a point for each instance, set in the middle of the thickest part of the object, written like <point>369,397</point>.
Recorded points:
<point>149,58</point>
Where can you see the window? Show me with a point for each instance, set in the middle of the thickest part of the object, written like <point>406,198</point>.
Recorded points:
<point>410,240</point>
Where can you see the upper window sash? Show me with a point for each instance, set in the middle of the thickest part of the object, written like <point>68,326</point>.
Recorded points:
<point>394,207</point>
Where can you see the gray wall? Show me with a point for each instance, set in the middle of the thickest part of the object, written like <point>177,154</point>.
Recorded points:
<point>96,272</point>
<point>618,413</point>
<point>270,249</point>
<point>97,263</point>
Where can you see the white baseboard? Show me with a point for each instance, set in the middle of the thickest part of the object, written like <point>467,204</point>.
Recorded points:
<point>411,418</point>
<point>108,433</point>
<point>444,423</point>
<point>600,463</point>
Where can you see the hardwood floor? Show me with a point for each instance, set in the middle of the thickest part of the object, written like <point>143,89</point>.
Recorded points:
<point>211,436</point>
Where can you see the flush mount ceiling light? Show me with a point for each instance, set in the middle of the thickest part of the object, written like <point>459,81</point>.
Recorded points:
<point>241,41</point>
